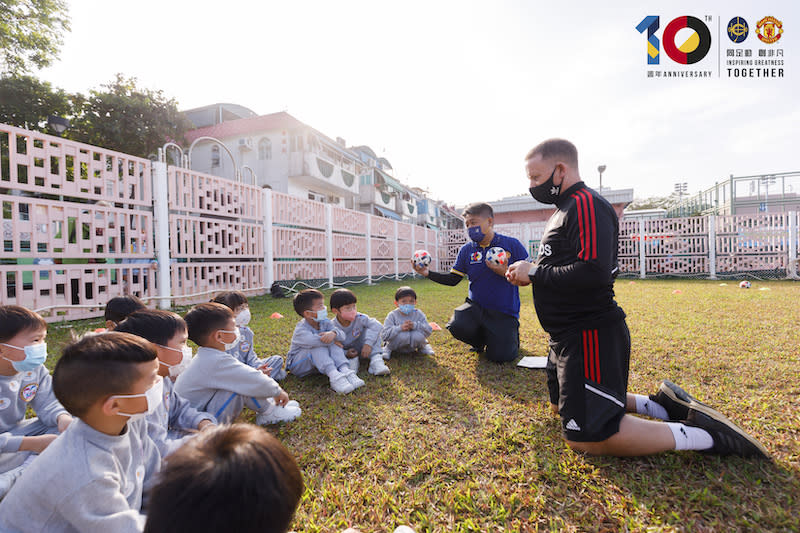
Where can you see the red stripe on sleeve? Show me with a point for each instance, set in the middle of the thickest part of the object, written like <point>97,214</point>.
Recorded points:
<point>583,252</point>
<point>591,224</point>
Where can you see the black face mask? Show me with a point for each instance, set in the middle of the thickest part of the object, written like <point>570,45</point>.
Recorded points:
<point>547,192</point>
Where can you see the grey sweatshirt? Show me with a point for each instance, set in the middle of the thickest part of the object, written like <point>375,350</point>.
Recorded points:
<point>245,351</point>
<point>85,481</point>
<point>306,337</point>
<point>33,388</point>
<point>173,413</point>
<point>362,331</point>
<point>394,322</point>
<point>212,371</point>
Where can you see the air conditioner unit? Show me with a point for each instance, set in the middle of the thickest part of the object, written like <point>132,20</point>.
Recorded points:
<point>246,144</point>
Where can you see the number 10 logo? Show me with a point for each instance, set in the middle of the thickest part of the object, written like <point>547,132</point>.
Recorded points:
<point>692,49</point>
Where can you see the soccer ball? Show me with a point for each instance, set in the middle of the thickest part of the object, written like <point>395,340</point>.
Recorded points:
<point>497,256</point>
<point>421,258</point>
<point>744,284</point>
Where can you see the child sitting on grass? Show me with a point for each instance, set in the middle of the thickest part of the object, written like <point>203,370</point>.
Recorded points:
<point>406,329</point>
<point>313,346</point>
<point>229,478</point>
<point>91,478</point>
<point>118,309</point>
<point>273,366</point>
<point>362,334</point>
<point>217,382</point>
<point>25,382</point>
<point>175,418</point>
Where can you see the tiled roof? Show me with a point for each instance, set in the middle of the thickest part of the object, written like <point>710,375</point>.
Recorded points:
<point>243,126</point>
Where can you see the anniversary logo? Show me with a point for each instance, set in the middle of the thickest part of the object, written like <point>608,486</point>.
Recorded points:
<point>687,47</point>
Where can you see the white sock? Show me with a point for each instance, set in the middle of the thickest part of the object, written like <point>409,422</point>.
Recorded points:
<point>646,406</point>
<point>690,438</point>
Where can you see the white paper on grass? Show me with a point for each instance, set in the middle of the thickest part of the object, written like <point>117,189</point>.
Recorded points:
<point>533,362</point>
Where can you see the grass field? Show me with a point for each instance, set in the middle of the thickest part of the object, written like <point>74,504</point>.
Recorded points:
<point>455,443</point>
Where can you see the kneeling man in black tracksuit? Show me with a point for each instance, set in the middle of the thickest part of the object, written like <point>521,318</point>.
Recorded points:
<point>489,320</point>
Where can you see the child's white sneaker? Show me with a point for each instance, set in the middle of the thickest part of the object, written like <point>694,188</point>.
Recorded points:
<point>354,380</point>
<point>377,367</point>
<point>427,350</point>
<point>341,384</point>
<point>278,414</point>
<point>292,403</point>
<point>353,364</point>
<point>7,480</point>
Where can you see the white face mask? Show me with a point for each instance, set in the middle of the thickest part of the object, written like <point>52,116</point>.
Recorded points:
<point>322,314</point>
<point>234,342</point>
<point>186,358</point>
<point>243,318</point>
<point>153,396</point>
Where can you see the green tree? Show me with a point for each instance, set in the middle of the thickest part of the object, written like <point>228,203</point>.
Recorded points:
<point>31,33</point>
<point>129,119</point>
<point>26,102</point>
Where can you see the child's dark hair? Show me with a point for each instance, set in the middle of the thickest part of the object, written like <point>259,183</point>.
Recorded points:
<point>15,318</point>
<point>119,307</point>
<point>155,325</point>
<point>304,300</point>
<point>203,319</point>
<point>228,478</point>
<point>480,209</point>
<point>97,366</point>
<point>232,299</point>
<point>404,291</point>
<point>342,297</point>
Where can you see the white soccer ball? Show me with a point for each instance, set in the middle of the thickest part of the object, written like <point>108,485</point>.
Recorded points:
<point>421,258</point>
<point>744,284</point>
<point>497,256</point>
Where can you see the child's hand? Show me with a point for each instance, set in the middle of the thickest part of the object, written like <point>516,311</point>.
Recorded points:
<point>64,420</point>
<point>407,325</point>
<point>36,444</point>
<point>339,344</point>
<point>205,424</point>
<point>265,369</point>
<point>328,337</point>
<point>281,399</point>
<point>351,353</point>
<point>365,351</point>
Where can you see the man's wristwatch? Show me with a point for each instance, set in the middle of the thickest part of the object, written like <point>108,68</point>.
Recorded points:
<point>532,272</point>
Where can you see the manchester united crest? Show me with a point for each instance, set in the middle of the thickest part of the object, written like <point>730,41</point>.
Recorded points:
<point>769,30</point>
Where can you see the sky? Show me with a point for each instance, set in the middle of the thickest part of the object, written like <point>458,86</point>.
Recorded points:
<point>454,93</point>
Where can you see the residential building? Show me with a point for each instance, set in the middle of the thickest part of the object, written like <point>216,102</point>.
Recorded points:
<point>523,208</point>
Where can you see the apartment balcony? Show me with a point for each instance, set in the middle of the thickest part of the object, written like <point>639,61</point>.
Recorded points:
<point>317,169</point>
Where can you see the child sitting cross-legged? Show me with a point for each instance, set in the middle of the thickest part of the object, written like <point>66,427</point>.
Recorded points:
<point>175,418</point>
<point>92,477</point>
<point>406,329</point>
<point>362,334</point>
<point>119,307</point>
<point>216,382</point>
<point>314,347</point>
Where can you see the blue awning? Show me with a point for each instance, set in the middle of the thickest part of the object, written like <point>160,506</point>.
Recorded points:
<point>389,214</point>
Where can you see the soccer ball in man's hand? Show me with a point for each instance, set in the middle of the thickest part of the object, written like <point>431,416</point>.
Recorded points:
<point>421,258</point>
<point>497,256</point>
<point>744,284</point>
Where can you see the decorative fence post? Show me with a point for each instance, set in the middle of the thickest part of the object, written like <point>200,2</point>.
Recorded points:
<point>712,247</point>
<point>793,269</point>
<point>269,252</point>
<point>161,230</point>
<point>329,243</point>
<point>396,252</point>
<point>369,250</point>
<point>642,252</point>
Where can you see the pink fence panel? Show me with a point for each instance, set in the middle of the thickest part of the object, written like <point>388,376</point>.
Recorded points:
<point>197,282</point>
<point>450,242</point>
<point>300,270</point>
<point>51,290</point>
<point>628,265</point>
<point>349,221</point>
<point>196,237</point>
<point>382,227</point>
<point>404,251</point>
<point>45,164</point>
<point>404,231</point>
<point>677,265</point>
<point>349,269</point>
<point>382,268</point>
<point>349,246</point>
<point>294,211</point>
<point>204,194</point>
<point>38,228</point>
<point>759,242</point>
<point>292,243</point>
<point>382,248</point>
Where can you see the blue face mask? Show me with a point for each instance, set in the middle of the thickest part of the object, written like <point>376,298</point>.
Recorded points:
<point>476,233</point>
<point>322,314</point>
<point>406,309</point>
<point>35,355</point>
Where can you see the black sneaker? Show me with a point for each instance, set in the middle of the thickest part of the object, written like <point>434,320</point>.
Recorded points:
<point>476,349</point>
<point>729,439</point>
<point>677,402</point>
